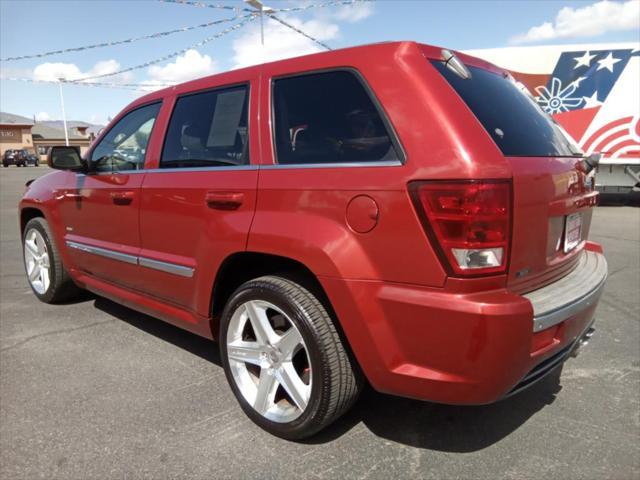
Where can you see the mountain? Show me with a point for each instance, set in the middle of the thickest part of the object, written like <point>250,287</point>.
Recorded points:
<point>93,128</point>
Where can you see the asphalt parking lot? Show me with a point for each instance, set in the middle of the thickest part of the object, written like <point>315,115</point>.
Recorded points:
<point>95,390</point>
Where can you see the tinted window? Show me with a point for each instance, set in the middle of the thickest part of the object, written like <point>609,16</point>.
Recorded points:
<point>124,146</point>
<point>512,117</point>
<point>328,118</point>
<point>208,130</point>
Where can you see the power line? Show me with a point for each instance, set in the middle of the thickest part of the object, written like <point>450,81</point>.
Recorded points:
<point>245,19</point>
<point>118,42</point>
<point>288,25</point>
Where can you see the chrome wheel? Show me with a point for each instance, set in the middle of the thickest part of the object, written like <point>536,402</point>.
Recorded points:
<point>36,260</point>
<point>269,361</point>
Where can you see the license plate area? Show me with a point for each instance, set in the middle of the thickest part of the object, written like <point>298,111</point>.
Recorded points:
<point>572,231</point>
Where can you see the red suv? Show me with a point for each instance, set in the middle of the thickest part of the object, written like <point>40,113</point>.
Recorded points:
<point>393,212</point>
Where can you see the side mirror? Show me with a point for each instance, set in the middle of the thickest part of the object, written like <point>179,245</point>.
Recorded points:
<point>65,158</point>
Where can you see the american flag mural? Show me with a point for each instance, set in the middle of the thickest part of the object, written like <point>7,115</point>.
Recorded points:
<point>594,95</point>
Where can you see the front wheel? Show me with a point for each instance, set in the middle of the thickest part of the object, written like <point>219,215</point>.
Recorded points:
<point>284,358</point>
<point>46,275</point>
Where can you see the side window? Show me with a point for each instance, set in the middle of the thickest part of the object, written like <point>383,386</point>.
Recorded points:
<point>208,130</point>
<point>125,145</point>
<point>328,118</point>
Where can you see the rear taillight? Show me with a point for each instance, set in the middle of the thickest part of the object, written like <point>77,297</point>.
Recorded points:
<point>469,222</point>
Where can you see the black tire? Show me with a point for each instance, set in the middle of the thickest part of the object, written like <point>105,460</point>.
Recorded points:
<point>336,381</point>
<point>61,288</point>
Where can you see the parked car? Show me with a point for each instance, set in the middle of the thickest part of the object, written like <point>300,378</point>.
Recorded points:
<point>26,158</point>
<point>11,157</point>
<point>33,159</point>
<point>19,158</point>
<point>428,233</point>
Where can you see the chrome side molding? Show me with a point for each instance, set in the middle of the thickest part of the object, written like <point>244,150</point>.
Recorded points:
<point>166,267</point>
<point>104,252</point>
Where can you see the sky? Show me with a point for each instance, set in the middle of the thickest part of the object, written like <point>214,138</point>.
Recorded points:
<point>32,27</point>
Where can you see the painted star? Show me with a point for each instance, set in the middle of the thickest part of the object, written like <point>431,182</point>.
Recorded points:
<point>592,101</point>
<point>608,62</point>
<point>578,81</point>
<point>584,60</point>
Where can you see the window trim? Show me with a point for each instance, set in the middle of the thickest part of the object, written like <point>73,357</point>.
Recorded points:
<point>118,120</point>
<point>393,136</point>
<point>246,84</point>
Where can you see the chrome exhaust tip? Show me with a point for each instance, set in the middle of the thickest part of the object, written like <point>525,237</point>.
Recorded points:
<point>587,336</point>
<point>582,341</point>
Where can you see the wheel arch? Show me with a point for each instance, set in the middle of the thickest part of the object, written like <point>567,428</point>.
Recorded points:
<point>28,213</point>
<point>240,267</point>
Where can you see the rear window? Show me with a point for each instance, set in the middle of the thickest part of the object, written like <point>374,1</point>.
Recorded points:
<point>512,117</point>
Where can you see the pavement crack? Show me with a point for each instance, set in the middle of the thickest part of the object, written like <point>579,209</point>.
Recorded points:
<point>55,332</point>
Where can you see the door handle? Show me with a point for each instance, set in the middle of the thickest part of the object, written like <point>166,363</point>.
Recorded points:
<point>122,198</point>
<point>224,200</point>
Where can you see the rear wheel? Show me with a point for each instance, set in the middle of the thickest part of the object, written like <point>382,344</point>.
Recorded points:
<point>284,359</point>
<point>46,275</point>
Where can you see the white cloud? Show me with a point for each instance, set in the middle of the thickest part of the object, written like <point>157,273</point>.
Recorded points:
<point>279,41</point>
<point>51,72</point>
<point>189,66</point>
<point>42,117</point>
<point>355,12</point>
<point>596,19</point>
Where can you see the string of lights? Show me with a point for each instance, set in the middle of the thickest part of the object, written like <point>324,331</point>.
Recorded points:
<point>118,42</point>
<point>288,25</point>
<point>245,19</point>
<point>122,86</point>
<point>204,5</point>
<point>320,5</point>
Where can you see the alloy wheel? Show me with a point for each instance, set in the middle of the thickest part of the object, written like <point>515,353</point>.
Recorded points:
<point>36,259</point>
<point>269,361</point>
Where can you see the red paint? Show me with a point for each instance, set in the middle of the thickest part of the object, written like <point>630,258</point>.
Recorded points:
<point>362,214</point>
<point>576,122</point>
<point>415,329</point>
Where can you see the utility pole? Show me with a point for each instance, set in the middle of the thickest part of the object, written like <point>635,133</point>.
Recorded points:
<point>64,115</point>
<point>258,5</point>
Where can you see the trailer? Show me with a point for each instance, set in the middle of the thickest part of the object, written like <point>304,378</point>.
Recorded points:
<point>593,92</point>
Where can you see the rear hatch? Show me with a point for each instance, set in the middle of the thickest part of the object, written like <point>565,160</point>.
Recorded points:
<point>552,198</point>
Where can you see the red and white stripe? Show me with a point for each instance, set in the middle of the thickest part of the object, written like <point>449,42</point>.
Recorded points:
<point>617,139</point>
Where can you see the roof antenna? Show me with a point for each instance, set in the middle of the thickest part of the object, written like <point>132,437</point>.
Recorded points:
<point>454,64</point>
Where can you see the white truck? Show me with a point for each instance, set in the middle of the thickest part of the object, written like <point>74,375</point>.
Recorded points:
<point>593,91</point>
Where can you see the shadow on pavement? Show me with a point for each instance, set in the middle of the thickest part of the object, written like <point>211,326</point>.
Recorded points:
<point>446,428</point>
<point>203,348</point>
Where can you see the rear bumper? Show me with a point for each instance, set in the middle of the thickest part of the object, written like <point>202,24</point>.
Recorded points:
<point>464,348</point>
<point>573,293</point>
